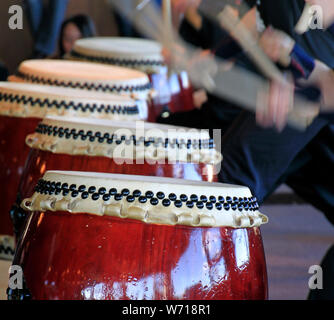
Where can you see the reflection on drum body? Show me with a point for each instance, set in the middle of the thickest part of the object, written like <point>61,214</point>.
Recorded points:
<point>142,240</point>
<point>13,154</point>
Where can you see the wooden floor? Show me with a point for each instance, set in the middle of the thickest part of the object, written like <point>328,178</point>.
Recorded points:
<point>296,237</point>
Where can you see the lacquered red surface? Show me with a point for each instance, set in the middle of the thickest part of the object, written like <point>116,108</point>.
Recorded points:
<point>174,93</point>
<point>13,154</point>
<point>39,162</point>
<point>82,256</point>
<point>182,93</point>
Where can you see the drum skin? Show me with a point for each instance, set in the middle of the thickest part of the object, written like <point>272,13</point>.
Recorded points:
<point>39,162</point>
<point>84,256</point>
<point>13,154</point>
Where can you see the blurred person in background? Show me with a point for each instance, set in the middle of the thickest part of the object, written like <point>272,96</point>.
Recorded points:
<point>72,29</point>
<point>125,27</point>
<point>3,72</point>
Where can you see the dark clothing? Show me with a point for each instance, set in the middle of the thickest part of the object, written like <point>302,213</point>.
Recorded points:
<point>3,72</point>
<point>45,23</point>
<point>125,28</point>
<point>124,25</point>
<point>284,14</point>
<point>310,174</point>
<point>258,157</point>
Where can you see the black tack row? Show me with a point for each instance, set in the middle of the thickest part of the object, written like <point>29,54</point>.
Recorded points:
<point>111,138</point>
<point>67,105</point>
<point>211,202</point>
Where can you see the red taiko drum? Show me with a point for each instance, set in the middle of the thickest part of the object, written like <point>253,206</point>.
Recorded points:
<point>173,92</point>
<point>21,108</point>
<point>105,236</point>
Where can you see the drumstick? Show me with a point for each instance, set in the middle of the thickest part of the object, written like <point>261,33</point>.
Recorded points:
<point>167,13</point>
<point>142,4</point>
<point>231,23</point>
<point>153,29</point>
<point>212,8</point>
<point>167,19</point>
<point>303,23</point>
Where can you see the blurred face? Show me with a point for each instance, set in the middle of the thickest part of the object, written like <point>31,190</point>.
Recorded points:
<point>70,35</point>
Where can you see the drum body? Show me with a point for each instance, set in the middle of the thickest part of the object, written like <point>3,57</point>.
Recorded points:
<point>181,92</point>
<point>13,154</point>
<point>84,256</point>
<point>161,101</point>
<point>173,94</point>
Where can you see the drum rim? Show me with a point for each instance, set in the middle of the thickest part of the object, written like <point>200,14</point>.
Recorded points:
<point>31,100</point>
<point>136,82</point>
<point>38,90</point>
<point>154,46</point>
<point>170,204</point>
<point>124,140</point>
<point>147,57</point>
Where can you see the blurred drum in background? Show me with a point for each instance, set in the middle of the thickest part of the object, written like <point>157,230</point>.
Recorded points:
<point>22,106</point>
<point>88,76</point>
<point>105,236</point>
<point>174,91</point>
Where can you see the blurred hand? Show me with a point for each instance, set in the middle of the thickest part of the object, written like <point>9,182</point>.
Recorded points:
<point>323,78</point>
<point>326,86</point>
<point>188,8</point>
<point>277,45</point>
<point>175,56</point>
<point>181,6</point>
<point>274,106</point>
<point>202,69</point>
<point>199,98</point>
